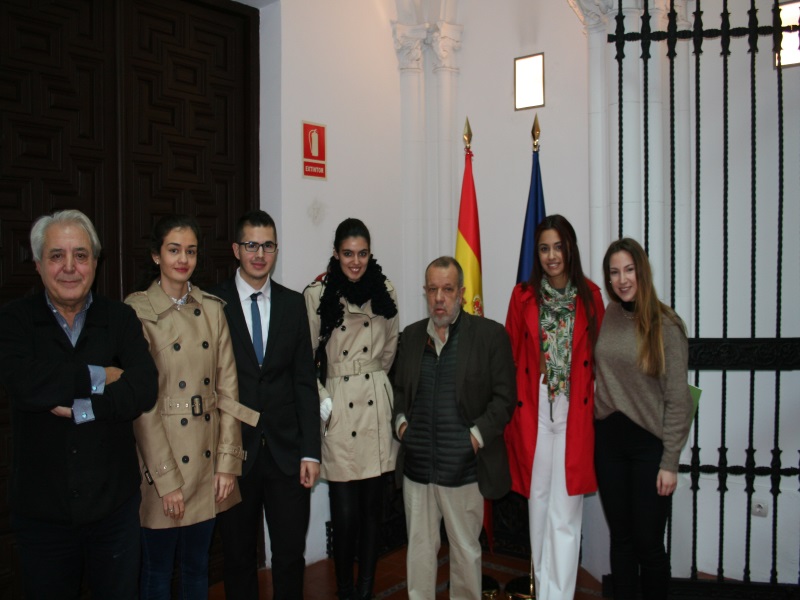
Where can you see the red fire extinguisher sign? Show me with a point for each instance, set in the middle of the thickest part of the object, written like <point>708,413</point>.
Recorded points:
<point>314,161</point>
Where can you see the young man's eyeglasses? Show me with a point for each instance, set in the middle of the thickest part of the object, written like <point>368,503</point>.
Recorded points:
<point>268,247</point>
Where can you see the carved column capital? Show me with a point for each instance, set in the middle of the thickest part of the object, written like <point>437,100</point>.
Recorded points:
<point>593,13</point>
<point>408,40</point>
<point>680,8</point>
<point>445,39</point>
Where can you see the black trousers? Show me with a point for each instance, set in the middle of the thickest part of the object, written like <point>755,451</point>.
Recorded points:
<point>356,508</point>
<point>54,558</point>
<point>267,491</point>
<point>627,460</point>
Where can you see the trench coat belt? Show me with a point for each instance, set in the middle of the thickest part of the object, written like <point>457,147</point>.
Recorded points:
<point>354,367</point>
<point>239,411</point>
<point>191,406</point>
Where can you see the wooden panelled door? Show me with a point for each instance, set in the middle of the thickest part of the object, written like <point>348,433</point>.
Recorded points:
<point>127,110</point>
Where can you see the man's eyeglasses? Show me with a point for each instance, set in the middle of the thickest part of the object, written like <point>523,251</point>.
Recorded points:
<point>269,247</point>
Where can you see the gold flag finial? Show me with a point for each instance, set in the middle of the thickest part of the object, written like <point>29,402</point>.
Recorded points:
<point>467,134</point>
<point>535,133</point>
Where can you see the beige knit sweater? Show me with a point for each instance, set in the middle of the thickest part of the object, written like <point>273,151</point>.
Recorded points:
<point>661,405</point>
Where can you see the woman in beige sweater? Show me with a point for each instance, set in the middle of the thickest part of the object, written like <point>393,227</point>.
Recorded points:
<point>644,411</point>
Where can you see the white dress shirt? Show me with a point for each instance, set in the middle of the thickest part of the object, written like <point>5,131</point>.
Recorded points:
<point>245,290</point>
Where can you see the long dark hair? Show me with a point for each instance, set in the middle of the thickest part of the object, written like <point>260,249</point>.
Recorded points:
<point>157,235</point>
<point>571,256</point>
<point>371,286</point>
<point>648,309</point>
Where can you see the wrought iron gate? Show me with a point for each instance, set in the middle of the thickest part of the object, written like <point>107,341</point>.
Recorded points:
<point>748,372</point>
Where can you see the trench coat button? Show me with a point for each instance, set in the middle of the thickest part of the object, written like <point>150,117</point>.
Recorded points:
<point>586,401</point>
<point>371,402</point>
<point>586,363</point>
<point>176,347</point>
<point>184,421</point>
<point>351,405</point>
<point>197,312</point>
<point>206,381</point>
<point>74,450</point>
<point>208,453</point>
<point>344,328</point>
<point>185,459</point>
<point>353,434</point>
<point>366,323</point>
<point>526,370</point>
<point>182,384</point>
<point>205,345</point>
<point>344,352</point>
<point>366,376</point>
<point>347,378</point>
<point>365,348</point>
<point>526,334</point>
<point>519,404</point>
<point>208,417</point>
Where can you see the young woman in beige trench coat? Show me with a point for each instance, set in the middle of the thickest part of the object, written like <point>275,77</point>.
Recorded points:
<point>353,310</point>
<point>190,443</point>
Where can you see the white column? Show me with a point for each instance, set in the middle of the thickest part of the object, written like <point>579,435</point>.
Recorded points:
<point>408,41</point>
<point>658,133</point>
<point>444,41</point>
<point>684,168</point>
<point>631,129</point>
<point>597,28</point>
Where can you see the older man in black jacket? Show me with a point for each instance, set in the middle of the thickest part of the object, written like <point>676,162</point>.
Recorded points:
<point>455,391</point>
<point>78,372</point>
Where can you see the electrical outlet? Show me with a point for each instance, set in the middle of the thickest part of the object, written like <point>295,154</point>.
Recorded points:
<point>759,508</point>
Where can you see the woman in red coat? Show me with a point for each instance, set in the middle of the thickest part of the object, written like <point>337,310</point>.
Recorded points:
<point>553,320</point>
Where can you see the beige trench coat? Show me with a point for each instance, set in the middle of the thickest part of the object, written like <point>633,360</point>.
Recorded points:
<point>193,431</point>
<point>357,440</point>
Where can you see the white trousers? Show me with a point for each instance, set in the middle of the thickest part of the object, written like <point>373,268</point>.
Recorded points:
<point>462,511</point>
<point>555,517</point>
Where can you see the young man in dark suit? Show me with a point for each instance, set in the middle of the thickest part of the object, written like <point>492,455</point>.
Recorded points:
<point>272,345</point>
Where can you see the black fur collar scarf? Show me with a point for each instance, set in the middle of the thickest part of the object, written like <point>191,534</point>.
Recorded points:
<point>371,286</point>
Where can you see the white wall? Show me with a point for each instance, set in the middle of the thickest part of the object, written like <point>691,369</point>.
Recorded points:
<point>338,69</point>
<point>494,34</point>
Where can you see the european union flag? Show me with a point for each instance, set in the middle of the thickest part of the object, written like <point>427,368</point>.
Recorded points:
<point>534,215</point>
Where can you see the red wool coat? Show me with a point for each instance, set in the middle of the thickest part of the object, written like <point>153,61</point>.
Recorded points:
<point>522,324</point>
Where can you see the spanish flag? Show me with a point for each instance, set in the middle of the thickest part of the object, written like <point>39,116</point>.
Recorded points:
<point>468,242</point>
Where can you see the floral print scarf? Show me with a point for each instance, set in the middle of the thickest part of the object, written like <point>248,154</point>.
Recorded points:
<point>556,324</point>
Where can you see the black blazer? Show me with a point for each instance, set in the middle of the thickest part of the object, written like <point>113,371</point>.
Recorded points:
<point>62,472</point>
<point>486,389</point>
<point>284,389</point>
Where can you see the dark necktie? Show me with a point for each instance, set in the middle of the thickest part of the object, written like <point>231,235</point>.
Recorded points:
<point>258,340</point>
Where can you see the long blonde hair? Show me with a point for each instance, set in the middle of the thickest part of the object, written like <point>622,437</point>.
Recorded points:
<point>648,311</point>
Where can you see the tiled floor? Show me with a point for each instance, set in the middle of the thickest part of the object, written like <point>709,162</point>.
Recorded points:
<point>320,582</point>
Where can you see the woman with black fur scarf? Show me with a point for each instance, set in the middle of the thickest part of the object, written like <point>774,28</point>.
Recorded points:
<point>352,312</point>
